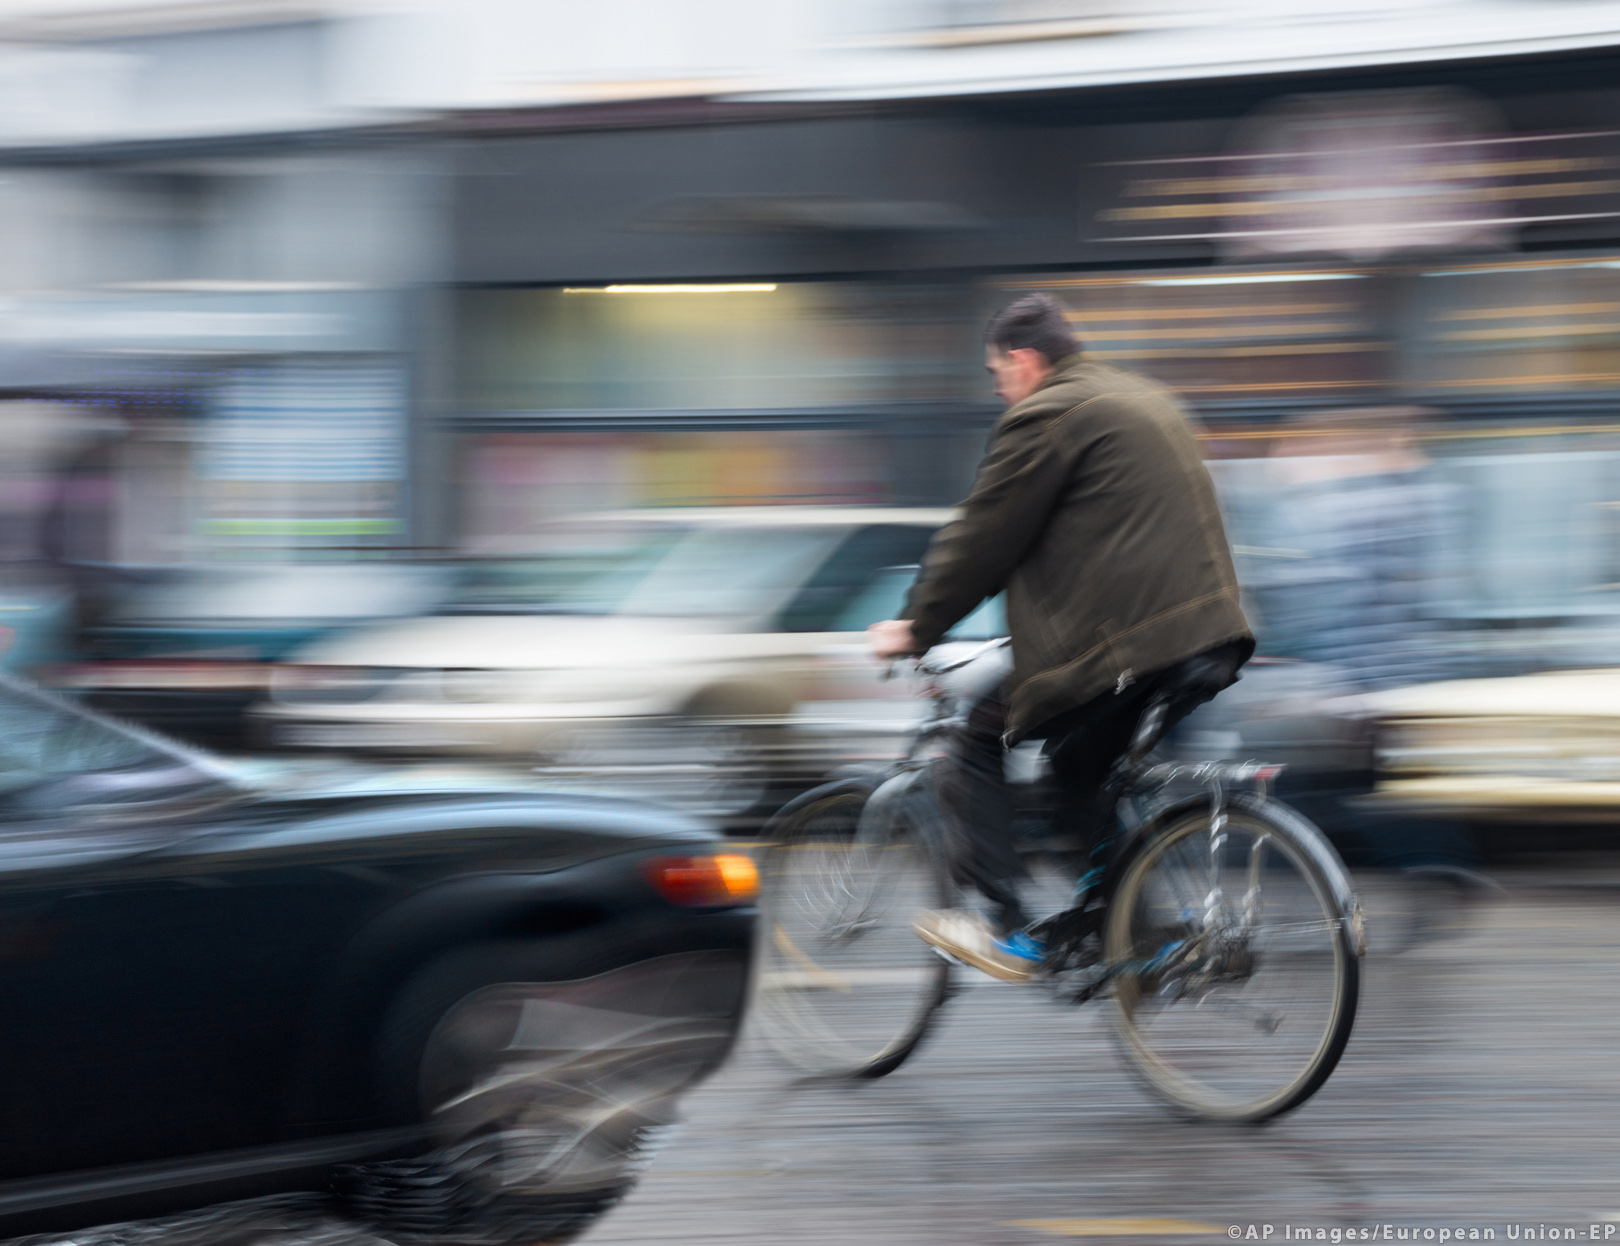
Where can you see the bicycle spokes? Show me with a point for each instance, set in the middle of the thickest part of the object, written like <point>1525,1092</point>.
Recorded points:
<point>1229,1008</point>
<point>844,984</point>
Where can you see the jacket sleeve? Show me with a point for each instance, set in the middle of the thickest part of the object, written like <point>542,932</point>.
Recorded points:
<point>1019,483</point>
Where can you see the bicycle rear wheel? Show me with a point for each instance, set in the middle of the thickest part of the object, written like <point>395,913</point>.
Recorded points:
<point>1235,947</point>
<point>844,987</point>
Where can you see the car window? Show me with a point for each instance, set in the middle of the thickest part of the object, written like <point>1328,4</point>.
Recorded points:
<point>43,738</point>
<point>986,622</point>
<point>885,596</point>
<point>723,570</point>
<point>850,573</point>
<point>881,599</point>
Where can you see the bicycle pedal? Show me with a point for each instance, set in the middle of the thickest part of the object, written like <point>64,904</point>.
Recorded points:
<point>947,957</point>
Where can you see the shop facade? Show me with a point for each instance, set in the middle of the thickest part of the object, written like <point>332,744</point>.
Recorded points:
<point>230,345</point>
<point>772,306</point>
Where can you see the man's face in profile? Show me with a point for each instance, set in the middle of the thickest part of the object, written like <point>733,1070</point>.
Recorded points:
<point>1017,373</point>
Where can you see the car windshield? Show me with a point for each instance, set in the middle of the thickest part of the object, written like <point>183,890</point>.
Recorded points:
<point>575,568</point>
<point>654,569</point>
<point>734,571</point>
<point>43,739</point>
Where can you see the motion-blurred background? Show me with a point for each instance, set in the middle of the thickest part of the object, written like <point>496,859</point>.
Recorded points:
<point>485,379</point>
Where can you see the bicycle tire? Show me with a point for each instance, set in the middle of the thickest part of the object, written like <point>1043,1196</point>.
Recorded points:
<point>1222,949</point>
<point>841,880</point>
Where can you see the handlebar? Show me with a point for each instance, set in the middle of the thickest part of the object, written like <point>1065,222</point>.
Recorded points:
<point>945,668</point>
<point>925,665</point>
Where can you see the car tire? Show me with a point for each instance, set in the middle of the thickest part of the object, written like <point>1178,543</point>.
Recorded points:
<point>479,1183</point>
<point>743,785</point>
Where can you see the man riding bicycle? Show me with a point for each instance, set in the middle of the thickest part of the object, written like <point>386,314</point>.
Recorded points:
<point>1093,511</point>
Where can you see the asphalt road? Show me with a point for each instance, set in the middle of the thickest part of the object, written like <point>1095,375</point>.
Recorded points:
<point>1480,1091</point>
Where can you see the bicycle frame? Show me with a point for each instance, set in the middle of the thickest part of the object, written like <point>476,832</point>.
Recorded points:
<point>1145,794</point>
<point>1204,868</point>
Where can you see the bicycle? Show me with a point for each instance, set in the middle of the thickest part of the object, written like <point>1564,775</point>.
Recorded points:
<point>1218,898</point>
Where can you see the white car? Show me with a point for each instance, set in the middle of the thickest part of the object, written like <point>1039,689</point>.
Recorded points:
<point>717,648</point>
<point>1528,748</point>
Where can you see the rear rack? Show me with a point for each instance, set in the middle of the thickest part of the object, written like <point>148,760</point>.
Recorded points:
<point>1222,773</point>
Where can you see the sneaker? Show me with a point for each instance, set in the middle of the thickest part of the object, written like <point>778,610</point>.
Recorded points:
<point>968,937</point>
<point>1022,946</point>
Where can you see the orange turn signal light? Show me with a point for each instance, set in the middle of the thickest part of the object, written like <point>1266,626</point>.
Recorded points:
<point>705,882</point>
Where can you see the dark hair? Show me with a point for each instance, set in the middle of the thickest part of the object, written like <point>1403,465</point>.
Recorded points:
<point>1034,322</point>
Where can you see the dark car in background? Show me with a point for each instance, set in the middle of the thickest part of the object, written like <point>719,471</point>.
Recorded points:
<point>469,1007</point>
<point>187,649</point>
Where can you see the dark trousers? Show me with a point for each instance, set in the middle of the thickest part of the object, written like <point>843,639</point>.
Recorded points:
<point>1081,748</point>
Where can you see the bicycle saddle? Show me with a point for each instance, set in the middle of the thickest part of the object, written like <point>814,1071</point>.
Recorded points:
<point>1179,691</point>
<point>1202,676</point>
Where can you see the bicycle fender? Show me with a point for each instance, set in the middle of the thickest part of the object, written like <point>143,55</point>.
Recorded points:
<point>1315,844</point>
<point>907,794</point>
<point>854,785</point>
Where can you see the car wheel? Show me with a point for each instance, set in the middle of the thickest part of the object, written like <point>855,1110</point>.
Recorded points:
<point>544,1076</point>
<point>728,767</point>
<point>706,764</point>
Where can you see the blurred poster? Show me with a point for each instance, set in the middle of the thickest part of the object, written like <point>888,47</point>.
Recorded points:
<point>1366,174</point>
<point>302,455</point>
<point>512,483</point>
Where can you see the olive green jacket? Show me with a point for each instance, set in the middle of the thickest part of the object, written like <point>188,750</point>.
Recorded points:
<point>1094,511</point>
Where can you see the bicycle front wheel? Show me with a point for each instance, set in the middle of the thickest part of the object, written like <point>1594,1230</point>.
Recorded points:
<point>844,987</point>
<point>1235,946</point>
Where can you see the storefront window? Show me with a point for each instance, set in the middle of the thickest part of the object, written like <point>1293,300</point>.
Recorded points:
<point>1331,335</point>
<point>724,346</point>
<point>515,482</point>
<point>1517,326</point>
<point>1221,334</point>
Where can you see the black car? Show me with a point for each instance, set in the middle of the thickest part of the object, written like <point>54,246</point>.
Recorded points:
<point>467,1009</point>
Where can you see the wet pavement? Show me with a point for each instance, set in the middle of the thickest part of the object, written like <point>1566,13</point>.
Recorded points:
<point>1479,1092</point>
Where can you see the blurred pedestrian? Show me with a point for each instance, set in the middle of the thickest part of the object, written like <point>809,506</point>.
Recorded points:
<point>1355,527</point>
<point>1347,580</point>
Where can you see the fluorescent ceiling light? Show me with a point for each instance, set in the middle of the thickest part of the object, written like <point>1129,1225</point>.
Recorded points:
<point>1248,279</point>
<point>733,288</point>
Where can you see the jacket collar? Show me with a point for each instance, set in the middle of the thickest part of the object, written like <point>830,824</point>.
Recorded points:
<point>1063,370</point>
